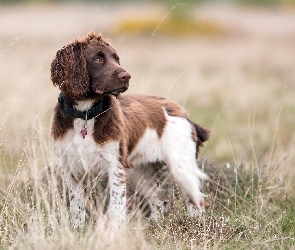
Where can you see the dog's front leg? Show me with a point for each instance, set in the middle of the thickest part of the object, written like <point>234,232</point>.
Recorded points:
<point>117,206</point>
<point>77,196</point>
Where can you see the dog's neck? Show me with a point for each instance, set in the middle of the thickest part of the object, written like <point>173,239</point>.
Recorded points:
<point>85,105</point>
<point>84,109</point>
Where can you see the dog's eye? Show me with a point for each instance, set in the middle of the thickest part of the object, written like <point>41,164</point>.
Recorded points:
<point>116,58</point>
<point>99,57</point>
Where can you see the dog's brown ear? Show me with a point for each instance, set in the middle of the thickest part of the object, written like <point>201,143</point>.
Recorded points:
<point>68,71</point>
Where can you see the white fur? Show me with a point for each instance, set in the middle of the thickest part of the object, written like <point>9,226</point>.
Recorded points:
<point>149,149</point>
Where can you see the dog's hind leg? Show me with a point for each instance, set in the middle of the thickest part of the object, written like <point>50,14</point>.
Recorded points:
<point>145,182</point>
<point>179,149</point>
<point>189,178</point>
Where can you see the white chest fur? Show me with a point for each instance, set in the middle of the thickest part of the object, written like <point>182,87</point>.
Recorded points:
<point>79,155</point>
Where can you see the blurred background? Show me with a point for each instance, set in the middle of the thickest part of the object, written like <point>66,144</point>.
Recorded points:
<point>230,63</point>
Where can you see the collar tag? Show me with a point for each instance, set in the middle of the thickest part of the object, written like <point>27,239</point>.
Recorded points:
<point>83,131</point>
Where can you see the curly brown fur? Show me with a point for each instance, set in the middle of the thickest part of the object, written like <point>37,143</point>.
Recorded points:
<point>68,69</point>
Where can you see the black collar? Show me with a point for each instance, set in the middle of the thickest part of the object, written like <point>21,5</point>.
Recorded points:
<point>85,115</point>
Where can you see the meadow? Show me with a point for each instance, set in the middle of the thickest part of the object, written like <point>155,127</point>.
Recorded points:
<point>238,80</point>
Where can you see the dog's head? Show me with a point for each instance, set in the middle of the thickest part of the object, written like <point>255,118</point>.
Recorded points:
<point>88,67</point>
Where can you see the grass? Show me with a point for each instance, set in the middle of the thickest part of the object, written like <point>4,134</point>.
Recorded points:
<point>240,86</point>
<point>247,208</point>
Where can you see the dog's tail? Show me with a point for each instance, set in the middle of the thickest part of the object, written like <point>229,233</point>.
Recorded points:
<point>200,135</point>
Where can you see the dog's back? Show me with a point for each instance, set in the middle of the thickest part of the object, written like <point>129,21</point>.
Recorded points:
<point>142,111</point>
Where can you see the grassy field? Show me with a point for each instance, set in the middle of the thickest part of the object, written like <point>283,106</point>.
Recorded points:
<point>238,82</point>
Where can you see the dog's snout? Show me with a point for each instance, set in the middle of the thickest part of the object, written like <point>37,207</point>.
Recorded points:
<point>124,76</point>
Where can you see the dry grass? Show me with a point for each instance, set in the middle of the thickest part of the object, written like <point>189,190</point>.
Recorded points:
<point>239,84</point>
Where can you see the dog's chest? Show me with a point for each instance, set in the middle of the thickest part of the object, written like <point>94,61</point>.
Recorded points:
<point>79,154</point>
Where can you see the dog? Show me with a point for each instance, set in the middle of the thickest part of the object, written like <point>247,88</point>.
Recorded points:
<point>95,128</point>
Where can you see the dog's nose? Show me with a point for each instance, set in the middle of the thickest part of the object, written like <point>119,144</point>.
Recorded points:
<point>124,76</point>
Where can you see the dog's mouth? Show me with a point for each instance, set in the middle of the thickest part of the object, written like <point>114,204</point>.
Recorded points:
<point>111,92</point>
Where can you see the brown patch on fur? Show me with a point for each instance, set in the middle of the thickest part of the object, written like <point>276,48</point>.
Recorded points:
<point>123,156</point>
<point>109,126</point>
<point>199,135</point>
<point>174,109</point>
<point>123,178</point>
<point>61,123</point>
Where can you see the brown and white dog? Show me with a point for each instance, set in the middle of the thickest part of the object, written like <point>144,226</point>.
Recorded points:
<point>94,128</point>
